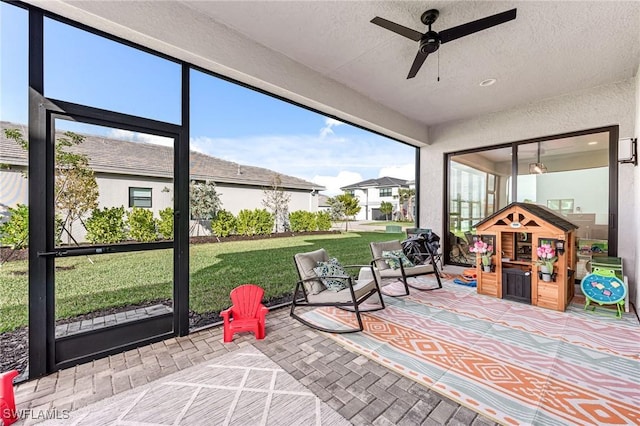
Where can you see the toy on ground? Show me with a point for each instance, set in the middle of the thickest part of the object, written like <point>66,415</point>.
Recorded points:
<point>603,287</point>
<point>247,312</point>
<point>463,281</point>
<point>468,278</point>
<point>8,413</point>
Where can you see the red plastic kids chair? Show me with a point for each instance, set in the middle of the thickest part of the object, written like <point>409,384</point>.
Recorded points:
<point>8,413</point>
<point>247,312</point>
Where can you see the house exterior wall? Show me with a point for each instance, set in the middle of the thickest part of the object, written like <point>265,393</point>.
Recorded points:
<point>613,104</point>
<point>235,198</point>
<point>370,199</point>
<point>114,192</point>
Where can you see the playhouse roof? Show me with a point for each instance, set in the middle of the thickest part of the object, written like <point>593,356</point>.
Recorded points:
<point>542,212</point>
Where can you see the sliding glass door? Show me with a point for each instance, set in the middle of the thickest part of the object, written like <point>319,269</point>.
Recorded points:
<point>571,175</point>
<point>478,187</point>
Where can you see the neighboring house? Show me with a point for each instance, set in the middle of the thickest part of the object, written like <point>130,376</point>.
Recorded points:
<point>141,174</point>
<point>323,204</point>
<point>372,192</point>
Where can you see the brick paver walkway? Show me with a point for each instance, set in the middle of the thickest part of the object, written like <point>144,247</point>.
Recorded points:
<point>359,389</point>
<point>111,319</point>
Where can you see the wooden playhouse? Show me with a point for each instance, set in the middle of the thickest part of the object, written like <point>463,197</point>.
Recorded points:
<point>516,232</point>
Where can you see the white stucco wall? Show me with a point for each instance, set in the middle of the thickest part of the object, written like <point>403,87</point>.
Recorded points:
<point>371,200</point>
<point>114,191</point>
<point>236,198</point>
<point>636,204</point>
<point>613,104</point>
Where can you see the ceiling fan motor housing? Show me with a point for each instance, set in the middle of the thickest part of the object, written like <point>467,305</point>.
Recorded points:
<point>429,43</point>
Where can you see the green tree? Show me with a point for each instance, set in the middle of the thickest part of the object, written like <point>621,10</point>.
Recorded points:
<point>277,202</point>
<point>386,208</point>
<point>204,203</point>
<point>75,189</point>
<point>344,207</point>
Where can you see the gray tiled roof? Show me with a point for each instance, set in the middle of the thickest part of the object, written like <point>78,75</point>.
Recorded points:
<point>542,212</point>
<point>144,159</point>
<point>379,182</point>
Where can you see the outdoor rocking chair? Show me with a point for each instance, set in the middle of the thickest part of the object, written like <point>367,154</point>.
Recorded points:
<point>389,253</point>
<point>310,289</point>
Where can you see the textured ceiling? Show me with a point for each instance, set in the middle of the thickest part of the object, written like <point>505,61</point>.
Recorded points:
<point>552,48</point>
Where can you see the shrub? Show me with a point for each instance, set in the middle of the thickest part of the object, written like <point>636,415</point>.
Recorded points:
<point>15,231</point>
<point>106,226</point>
<point>165,223</point>
<point>323,221</point>
<point>224,224</point>
<point>302,220</point>
<point>252,222</point>
<point>264,221</point>
<point>142,225</point>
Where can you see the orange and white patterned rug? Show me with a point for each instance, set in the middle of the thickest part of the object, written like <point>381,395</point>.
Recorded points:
<point>515,363</point>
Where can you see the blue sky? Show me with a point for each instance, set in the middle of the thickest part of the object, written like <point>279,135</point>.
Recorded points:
<point>227,121</point>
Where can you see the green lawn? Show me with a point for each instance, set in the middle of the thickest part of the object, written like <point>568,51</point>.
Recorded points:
<point>115,280</point>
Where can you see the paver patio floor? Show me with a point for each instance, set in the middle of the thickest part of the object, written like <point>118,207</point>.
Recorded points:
<point>359,390</point>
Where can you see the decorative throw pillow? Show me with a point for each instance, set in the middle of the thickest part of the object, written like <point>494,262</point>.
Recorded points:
<point>331,269</point>
<point>394,257</point>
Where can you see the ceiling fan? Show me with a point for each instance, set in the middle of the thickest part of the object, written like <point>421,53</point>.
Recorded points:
<point>431,40</point>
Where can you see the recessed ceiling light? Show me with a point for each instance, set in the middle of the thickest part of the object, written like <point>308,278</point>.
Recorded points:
<point>593,143</point>
<point>487,82</point>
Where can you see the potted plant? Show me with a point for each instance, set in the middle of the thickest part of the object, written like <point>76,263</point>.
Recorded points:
<point>484,251</point>
<point>546,258</point>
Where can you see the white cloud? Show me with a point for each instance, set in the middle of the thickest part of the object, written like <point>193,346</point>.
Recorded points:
<point>327,129</point>
<point>406,171</point>
<point>311,157</point>
<point>333,183</point>
<point>128,135</point>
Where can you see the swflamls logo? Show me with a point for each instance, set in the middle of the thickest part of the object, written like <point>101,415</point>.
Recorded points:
<point>24,414</point>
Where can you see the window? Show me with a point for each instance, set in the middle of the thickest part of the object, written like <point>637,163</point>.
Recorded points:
<point>385,192</point>
<point>350,192</point>
<point>562,206</point>
<point>139,197</point>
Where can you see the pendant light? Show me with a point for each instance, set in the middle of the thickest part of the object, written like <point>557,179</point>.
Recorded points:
<point>537,168</point>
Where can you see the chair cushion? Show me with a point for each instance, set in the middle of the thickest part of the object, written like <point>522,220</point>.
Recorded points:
<point>331,268</point>
<point>378,248</point>
<point>305,262</point>
<point>395,257</point>
<point>409,272</point>
<point>360,288</point>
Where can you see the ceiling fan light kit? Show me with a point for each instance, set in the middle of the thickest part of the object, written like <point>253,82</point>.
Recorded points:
<point>430,41</point>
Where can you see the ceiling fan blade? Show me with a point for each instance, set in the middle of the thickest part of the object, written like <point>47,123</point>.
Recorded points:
<point>397,28</point>
<point>475,26</point>
<point>417,63</point>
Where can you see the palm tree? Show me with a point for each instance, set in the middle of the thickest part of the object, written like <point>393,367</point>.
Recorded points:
<point>386,208</point>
